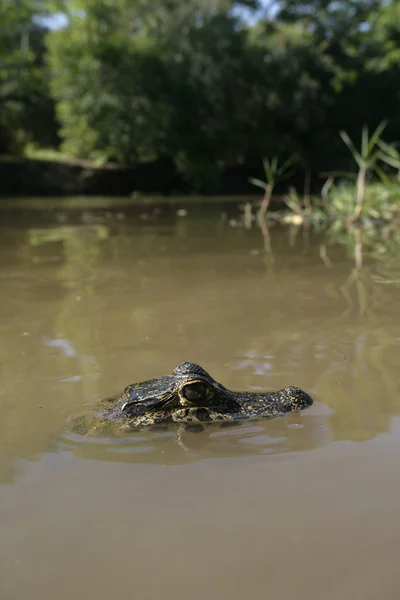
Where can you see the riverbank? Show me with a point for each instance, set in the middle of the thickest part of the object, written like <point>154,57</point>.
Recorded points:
<point>38,177</point>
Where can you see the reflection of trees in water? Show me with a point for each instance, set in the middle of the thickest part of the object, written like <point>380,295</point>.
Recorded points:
<point>378,348</point>
<point>80,249</point>
<point>356,379</point>
<point>361,384</point>
<point>364,396</point>
<point>82,253</point>
<point>57,330</point>
<point>138,302</point>
<point>39,356</point>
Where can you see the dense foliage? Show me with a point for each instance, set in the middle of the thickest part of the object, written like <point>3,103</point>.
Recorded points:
<point>205,83</point>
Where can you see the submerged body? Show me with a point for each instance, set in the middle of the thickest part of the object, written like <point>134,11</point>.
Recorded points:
<point>190,395</point>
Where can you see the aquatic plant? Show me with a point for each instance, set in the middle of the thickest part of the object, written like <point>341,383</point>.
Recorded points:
<point>274,173</point>
<point>370,199</point>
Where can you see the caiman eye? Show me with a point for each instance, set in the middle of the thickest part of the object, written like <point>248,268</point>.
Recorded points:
<point>196,392</point>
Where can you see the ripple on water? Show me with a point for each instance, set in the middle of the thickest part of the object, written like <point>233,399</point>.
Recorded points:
<point>180,445</point>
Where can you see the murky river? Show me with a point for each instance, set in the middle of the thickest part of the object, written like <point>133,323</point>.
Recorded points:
<point>304,507</point>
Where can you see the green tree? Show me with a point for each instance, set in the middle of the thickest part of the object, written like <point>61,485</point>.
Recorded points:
<point>139,84</point>
<point>194,81</point>
<point>26,109</point>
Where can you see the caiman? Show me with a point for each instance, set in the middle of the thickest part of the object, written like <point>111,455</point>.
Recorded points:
<point>190,395</point>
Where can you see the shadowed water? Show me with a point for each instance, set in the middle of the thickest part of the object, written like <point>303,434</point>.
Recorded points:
<point>301,507</point>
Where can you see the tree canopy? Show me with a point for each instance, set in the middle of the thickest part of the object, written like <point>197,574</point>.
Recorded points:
<point>206,83</point>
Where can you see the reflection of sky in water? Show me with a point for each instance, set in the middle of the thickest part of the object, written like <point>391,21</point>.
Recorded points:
<point>88,363</point>
<point>258,364</point>
<point>72,379</point>
<point>65,346</point>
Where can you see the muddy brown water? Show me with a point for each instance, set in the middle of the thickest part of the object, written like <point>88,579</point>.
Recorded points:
<point>302,507</point>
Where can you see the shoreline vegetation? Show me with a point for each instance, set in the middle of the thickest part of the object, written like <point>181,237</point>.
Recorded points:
<point>131,99</point>
<point>367,197</point>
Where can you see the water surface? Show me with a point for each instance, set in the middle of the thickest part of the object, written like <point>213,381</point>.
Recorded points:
<point>303,507</point>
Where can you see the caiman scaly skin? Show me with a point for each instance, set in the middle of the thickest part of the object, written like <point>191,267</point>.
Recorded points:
<point>190,395</point>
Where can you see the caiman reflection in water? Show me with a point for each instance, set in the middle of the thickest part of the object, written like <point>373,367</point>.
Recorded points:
<point>191,396</point>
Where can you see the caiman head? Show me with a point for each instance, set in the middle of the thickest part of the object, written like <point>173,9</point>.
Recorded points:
<point>191,392</point>
<point>188,386</point>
